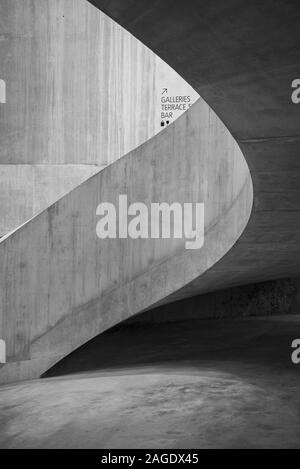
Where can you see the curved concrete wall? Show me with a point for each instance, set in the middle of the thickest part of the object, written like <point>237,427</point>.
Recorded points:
<point>243,66</point>
<point>61,285</point>
<point>81,93</point>
<point>241,57</point>
<point>274,297</point>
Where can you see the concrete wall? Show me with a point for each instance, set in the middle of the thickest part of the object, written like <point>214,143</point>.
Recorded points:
<point>241,57</point>
<point>26,190</point>
<point>260,299</point>
<point>61,288</point>
<point>81,93</point>
<point>61,285</point>
<point>2,92</point>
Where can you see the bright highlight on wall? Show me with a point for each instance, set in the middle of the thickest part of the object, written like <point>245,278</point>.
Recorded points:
<point>2,351</point>
<point>2,92</point>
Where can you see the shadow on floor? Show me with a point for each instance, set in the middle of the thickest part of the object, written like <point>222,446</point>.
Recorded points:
<point>265,341</point>
<point>191,384</point>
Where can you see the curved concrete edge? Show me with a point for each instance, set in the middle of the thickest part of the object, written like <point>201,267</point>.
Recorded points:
<point>63,286</point>
<point>243,67</point>
<point>78,86</point>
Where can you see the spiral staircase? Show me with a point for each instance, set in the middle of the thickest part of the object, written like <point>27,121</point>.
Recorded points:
<point>236,149</point>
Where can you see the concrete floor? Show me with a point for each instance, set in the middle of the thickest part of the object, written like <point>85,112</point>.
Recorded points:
<point>194,384</point>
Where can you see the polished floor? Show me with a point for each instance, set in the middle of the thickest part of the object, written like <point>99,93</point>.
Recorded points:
<point>192,384</point>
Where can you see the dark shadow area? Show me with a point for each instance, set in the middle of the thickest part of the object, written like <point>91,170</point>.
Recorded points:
<point>265,341</point>
<point>190,384</point>
<point>247,323</point>
<point>219,383</point>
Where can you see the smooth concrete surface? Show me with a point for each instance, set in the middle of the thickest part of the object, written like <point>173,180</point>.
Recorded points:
<point>241,57</point>
<point>80,89</point>
<point>81,93</point>
<point>61,285</point>
<point>26,190</point>
<point>194,384</point>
